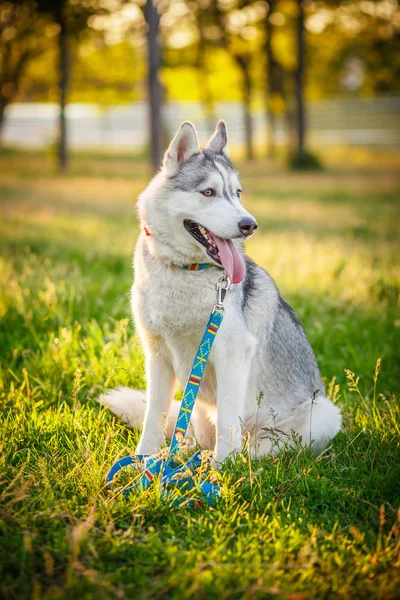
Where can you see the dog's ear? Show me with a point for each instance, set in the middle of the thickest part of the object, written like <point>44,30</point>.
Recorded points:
<point>219,139</point>
<point>184,145</point>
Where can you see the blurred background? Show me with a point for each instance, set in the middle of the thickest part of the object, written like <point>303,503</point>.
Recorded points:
<point>292,77</point>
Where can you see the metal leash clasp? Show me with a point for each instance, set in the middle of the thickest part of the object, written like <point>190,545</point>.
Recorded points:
<point>222,286</point>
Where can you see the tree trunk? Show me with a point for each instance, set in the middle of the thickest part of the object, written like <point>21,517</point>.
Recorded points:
<point>299,79</point>
<point>248,122</point>
<point>271,121</point>
<point>63,87</point>
<point>204,86</point>
<point>275,82</point>
<point>154,87</point>
<point>244,64</point>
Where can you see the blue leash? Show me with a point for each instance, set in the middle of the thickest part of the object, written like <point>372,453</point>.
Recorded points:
<point>174,473</point>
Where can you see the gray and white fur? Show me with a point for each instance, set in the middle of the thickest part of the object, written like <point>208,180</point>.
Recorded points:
<point>262,381</point>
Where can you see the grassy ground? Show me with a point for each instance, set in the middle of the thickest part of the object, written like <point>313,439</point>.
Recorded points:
<point>295,526</point>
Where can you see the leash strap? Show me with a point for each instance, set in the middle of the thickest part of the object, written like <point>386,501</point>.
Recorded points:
<point>171,471</point>
<point>194,381</point>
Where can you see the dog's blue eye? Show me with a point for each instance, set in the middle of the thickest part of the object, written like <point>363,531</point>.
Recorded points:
<point>208,192</point>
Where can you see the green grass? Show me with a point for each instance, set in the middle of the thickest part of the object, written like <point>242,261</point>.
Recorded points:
<point>295,526</point>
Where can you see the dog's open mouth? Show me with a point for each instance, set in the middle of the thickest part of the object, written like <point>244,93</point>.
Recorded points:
<point>204,237</point>
<point>221,251</point>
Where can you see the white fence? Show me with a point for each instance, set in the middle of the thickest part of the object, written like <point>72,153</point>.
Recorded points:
<point>337,121</point>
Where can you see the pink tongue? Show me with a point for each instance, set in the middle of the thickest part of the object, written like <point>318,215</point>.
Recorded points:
<point>231,259</point>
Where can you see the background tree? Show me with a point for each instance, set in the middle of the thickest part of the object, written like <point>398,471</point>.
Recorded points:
<point>275,78</point>
<point>20,44</point>
<point>204,22</point>
<point>59,12</point>
<point>241,42</point>
<point>299,78</point>
<point>71,19</point>
<point>153,86</point>
<point>301,158</point>
<point>354,48</point>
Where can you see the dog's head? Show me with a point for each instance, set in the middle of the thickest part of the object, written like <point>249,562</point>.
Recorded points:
<point>192,208</point>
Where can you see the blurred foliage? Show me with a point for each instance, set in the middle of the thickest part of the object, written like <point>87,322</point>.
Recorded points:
<point>28,31</point>
<point>353,48</point>
<point>20,43</point>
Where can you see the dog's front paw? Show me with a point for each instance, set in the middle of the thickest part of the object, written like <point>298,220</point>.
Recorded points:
<point>228,445</point>
<point>149,444</point>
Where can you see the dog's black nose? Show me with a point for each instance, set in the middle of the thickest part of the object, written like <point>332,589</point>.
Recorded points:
<point>247,226</point>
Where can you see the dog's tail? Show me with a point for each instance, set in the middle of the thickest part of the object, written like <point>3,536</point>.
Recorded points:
<point>130,406</point>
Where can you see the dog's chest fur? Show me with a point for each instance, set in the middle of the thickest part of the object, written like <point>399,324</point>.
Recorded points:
<point>171,308</point>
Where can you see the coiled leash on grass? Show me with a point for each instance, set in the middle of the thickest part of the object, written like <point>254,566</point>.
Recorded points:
<point>170,471</point>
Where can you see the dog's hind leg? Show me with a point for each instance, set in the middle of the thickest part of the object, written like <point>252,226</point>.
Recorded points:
<point>315,423</point>
<point>321,421</point>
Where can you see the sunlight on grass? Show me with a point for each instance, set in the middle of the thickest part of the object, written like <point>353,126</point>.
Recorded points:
<point>315,526</point>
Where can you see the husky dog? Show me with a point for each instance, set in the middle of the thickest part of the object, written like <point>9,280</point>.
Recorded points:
<point>262,380</point>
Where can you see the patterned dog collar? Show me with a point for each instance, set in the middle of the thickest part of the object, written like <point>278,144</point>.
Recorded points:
<point>197,266</point>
